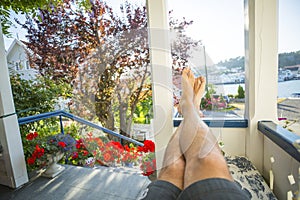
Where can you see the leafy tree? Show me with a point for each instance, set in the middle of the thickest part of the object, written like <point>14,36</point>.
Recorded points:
<point>91,49</point>
<point>238,62</point>
<point>289,59</point>
<point>284,59</point>
<point>57,51</point>
<point>143,112</point>
<point>37,96</point>
<point>181,44</point>
<point>241,92</point>
<point>105,57</point>
<point>28,6</point>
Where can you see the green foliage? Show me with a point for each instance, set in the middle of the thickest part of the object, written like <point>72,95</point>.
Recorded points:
<point>289,59</point>
<point>238,62</point>
<point>30,7</point>
<point>143,112</point>
<point>73,130</point>
<point>241,92</point>
<point>24,6</point>
<point>37,96</point>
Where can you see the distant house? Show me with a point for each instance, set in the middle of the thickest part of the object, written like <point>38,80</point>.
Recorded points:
<point>17,60</point>
<point>294,68</point>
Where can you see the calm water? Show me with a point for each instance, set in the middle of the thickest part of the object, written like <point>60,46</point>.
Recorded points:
<point>285,89</point>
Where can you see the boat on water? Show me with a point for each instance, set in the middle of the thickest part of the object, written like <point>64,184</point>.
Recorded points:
<point>295,95</point>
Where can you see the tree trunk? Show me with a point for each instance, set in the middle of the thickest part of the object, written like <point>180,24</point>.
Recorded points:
<point>123,119</point>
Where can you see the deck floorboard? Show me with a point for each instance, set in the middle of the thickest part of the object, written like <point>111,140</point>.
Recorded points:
<point>81,183</point>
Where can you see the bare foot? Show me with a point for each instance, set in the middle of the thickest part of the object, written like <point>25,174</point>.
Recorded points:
<point>187,81</point>
<point>187,85</point>
<point>199,90</point>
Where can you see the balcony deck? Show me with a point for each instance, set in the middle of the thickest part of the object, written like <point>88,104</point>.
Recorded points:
<point>81,183</point>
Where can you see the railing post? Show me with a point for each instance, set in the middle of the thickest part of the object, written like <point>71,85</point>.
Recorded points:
<point>61,125</point>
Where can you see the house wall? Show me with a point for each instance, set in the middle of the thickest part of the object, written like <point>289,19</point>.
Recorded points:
<point>17,54</point>
<point>234,140</point>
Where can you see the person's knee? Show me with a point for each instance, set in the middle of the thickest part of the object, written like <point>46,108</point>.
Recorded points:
<point>174,168</point>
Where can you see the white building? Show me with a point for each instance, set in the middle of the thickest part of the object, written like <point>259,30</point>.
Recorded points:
<point>17,60</point>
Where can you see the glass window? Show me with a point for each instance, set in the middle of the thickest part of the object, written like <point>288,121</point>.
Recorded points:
<point>289,65</point>
<point>27,66</point>
<point>208,36</point>
<point>17,65</point>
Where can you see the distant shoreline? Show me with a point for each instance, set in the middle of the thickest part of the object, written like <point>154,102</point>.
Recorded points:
<point>285,88</point>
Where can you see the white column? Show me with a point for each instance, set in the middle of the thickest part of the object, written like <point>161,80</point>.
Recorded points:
<point>13,171</point>
<point>261,57</point>
<point>161,74</point>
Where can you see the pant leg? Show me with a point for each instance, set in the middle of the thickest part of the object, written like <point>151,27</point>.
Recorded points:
<point>213,189</point>
<point>160,190</point>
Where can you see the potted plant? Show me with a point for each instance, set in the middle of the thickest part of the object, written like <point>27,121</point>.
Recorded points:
<point>148,161</point>
<point>47,151</point>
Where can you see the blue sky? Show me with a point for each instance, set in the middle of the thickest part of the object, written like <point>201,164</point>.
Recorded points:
<point>220,25</point>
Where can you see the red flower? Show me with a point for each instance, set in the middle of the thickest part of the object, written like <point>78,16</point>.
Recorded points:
<point>140,149</point>
<point>31,160</point>
<point>106,157</point>
<point>147,173</point>
<point>75,155</point>
<point>78,145</point>
<point>115,144</point>
<point>149,146</point>
<point>99,142</point>
<point>31,136</point>
<point>62,144</point>
<point>126,148</point>
<point>38,152</point>
<point>35,134</point>
<point>85,152</point>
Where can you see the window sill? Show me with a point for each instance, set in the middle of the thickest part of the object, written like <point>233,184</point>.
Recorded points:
<point>282,137</point>
<point>219,122</point>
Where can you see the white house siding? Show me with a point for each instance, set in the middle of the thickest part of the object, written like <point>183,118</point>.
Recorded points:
<point>17,60</point>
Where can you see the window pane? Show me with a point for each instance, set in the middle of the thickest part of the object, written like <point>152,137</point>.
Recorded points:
<point>289,65</point>
<point>208,36</point>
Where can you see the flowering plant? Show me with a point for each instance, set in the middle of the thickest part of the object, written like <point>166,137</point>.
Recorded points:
<point>80,154</point>
<point>148,163</point>
<point>110,153</point>
<point>39,147</point>
<point>210,103</point>
<point>93,150</point>
<point>131,154</point>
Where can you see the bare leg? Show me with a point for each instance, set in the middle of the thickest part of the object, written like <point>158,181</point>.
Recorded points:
<point>195,138</point>
<point>174,163</point>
